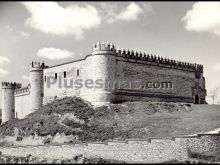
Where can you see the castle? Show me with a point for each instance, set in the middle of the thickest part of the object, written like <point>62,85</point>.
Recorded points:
<point>105,63</point>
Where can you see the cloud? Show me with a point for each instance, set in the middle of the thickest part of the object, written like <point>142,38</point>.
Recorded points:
<point>54,54</point>
<point>203,17</point>
<point>130,13</point>
<point>3,72</point>
<point>217,67</point>
<point>51,18</point>
<point>108,11</point>
<point>112,13</point>
<point>25,34</point>
<point>25,77</point>
<point>4,60</point>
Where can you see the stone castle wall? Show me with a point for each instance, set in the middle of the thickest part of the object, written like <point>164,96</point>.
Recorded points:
<point>116,66</point>
<point>77,70</point>
<point>182,82</point>
<point>105,63</point>
<point>151,150</point>
<point>22,102</point>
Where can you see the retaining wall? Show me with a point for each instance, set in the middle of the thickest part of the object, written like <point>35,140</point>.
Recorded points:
<point>151,150</point>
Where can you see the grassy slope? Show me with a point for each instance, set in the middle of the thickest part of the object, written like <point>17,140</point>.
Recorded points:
<point>120,121</point>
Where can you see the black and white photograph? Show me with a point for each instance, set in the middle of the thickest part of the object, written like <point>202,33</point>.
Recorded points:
<point>109,82</point>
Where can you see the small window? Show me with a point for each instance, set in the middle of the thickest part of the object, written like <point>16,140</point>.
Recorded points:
<point>45,78</point>
<point>77,72</point>
<point>55,75</point>
<point>64,74</point>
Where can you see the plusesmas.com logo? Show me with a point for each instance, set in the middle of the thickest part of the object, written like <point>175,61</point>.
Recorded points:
<point>132,84</point>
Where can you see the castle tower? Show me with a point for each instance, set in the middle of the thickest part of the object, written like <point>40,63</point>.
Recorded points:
<point>8,100</point>
<point>36,82</point>
<point>200,90</point>
<point>104,67</point>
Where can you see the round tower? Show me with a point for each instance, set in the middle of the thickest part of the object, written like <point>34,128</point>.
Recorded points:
<point>104,67</point>
<point>36,83</point>
<point>8,100</point>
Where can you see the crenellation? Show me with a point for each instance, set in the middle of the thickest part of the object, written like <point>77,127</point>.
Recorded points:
<point>35,64</point>
<point>103,47</point>
<point>22,90</point>
<point>12,85</point>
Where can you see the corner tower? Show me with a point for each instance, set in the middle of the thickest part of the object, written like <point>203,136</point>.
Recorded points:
<point>36,83</point>
<point>104,68</point>
<point>199,92</point>
<point>8,100</point>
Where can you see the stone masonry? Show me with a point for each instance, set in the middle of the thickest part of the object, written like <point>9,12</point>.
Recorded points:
<point>153,150</point>
<point>106,64</point>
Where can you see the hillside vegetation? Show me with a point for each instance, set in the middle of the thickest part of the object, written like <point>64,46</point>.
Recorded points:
<point>72,116</point>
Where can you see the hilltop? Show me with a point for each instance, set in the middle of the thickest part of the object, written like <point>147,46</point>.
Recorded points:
<point>77,121</point>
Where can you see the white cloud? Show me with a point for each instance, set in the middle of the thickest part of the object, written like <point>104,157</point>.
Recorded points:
<point>4,60</point>
<point>54,54</point>
<point>112,13</point>
<point>25,77</point>
<point>217,67</point>
<point>51,18</point>
<point>108,11</point>
<point>3,72</point>
<point>203,17</point>
<point>130,13</point>
<point>25,34</point>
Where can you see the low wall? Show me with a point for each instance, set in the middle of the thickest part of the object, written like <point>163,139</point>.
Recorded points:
<point>151,150</point>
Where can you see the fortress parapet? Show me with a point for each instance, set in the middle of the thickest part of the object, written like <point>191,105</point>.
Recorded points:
<point>22,90</point>
<point>103,48</point>
<point>110,49</point>
<point>34,65</point>
<point>157,60</point>
<point>11,85</point>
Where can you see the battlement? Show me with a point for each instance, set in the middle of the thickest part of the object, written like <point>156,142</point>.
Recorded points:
<point>107,47</point>
<point>22,90</point>
<point>131,54</point>
<point>35,64</point>
<point>11,85</point>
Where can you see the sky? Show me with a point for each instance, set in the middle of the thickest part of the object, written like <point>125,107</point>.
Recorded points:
<point>57,32</point>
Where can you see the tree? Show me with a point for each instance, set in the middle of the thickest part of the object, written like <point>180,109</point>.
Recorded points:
<point>213,93</point>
